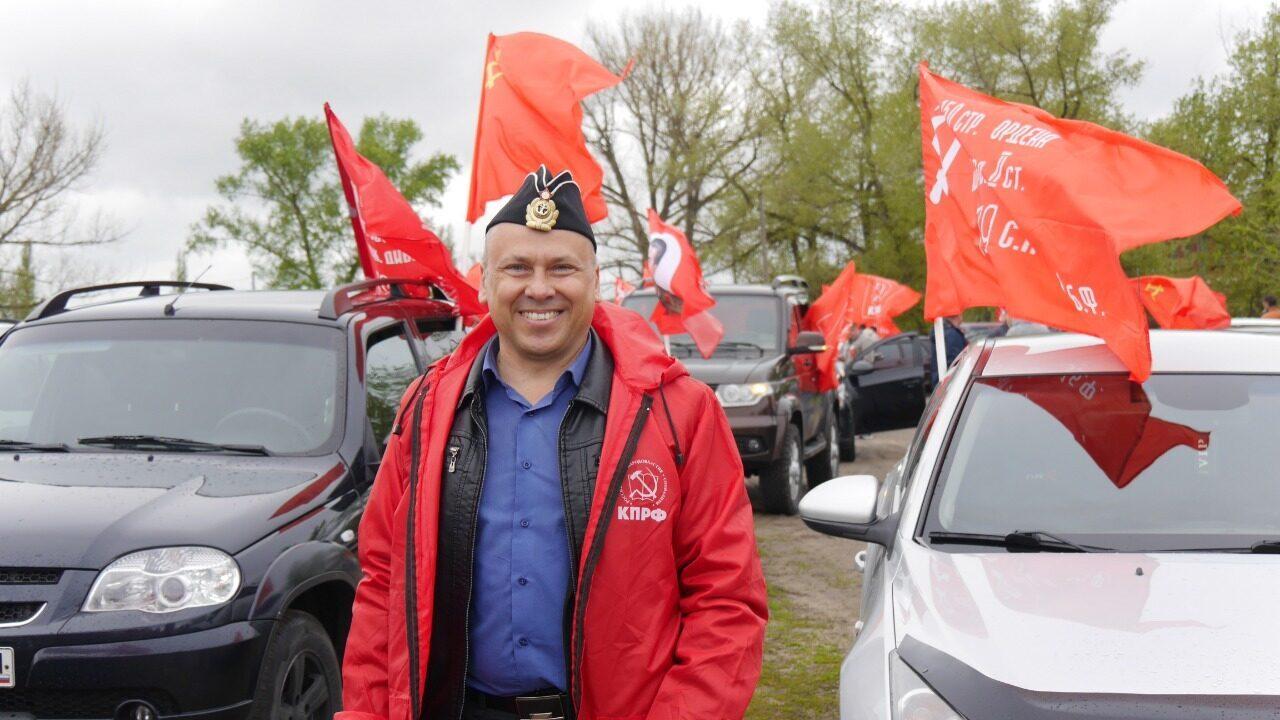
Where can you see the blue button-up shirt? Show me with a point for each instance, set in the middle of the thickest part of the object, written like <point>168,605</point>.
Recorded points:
<point>522,548</point>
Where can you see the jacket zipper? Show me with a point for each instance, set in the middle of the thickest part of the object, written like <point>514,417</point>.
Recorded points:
<point>597,545</point>
<point>475,520</point>
<point>568,534</point>
<point>453,457</point>
<point>411,572</point>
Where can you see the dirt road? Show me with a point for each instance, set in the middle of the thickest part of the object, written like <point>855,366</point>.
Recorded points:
<point>813,598</point>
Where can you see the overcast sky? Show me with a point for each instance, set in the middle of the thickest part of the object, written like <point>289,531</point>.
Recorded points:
<point>171,80</point>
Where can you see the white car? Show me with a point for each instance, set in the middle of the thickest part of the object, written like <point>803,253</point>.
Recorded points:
<point>1060,542</point>
<point>1265,325</point>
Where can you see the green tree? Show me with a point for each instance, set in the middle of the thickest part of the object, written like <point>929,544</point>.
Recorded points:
<point>1231,124</point>
<point>18,293</point>
<point>180,267</point>
<point>673,136</point>
<point>1049,57</point>
<point>285,205</point>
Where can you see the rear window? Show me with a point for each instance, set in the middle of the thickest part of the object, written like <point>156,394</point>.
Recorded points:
<point>1180,462</point>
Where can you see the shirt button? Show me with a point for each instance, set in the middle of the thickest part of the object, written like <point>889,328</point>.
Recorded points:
<point>523,581</point>
<point>524,642</point>
<point>526,464</point>
<point>524,523</point>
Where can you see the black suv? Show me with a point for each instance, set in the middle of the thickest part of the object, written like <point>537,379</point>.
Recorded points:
<point>181,483</point>
<point>763,374</point>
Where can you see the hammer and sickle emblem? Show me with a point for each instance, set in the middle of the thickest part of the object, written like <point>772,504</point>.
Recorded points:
<point>644,486</point>
<point>491,71</point>
<point>1154,289</point>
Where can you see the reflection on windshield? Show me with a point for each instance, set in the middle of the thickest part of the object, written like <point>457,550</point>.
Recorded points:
<point>1179,462</point>
<point>1110,417</point>
<point>751,325</point>
<point>260,383</point>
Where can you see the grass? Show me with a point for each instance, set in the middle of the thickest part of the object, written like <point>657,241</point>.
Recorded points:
<point>801,678</point>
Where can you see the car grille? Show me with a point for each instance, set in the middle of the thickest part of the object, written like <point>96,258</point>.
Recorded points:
<point>72,704</point>
<point>29,576</point>
<point>18,612</point>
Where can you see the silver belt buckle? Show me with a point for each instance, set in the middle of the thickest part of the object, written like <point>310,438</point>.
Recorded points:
<point>540,708</point>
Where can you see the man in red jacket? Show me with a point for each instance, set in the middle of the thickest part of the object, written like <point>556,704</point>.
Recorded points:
<point>559,528</point>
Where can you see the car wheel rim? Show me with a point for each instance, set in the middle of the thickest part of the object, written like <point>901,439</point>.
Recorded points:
<point>795,477</point>
<point>305,694</point>
<point>833,451</point>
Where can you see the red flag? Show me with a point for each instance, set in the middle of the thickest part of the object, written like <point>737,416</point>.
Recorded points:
<point>1029,212</point>
<point>530,115</point>
<point>646,277</point>
<point>682,294</point>
<point>621,289</point>
<point>1183,303</point>
<point>475,275</point>
<point>1110,417</point>
<point>391,238</point>
<point>829,315</point>
<point>876,301</point>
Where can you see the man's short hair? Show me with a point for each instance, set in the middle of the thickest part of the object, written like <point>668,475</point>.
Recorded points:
<point>1270,300</point>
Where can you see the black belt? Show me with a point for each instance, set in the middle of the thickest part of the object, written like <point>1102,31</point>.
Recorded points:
<point>548,704</point>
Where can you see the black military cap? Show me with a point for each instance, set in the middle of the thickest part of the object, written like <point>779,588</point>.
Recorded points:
<point>547,203</point>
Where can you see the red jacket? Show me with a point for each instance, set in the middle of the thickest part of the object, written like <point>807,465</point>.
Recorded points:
<point>673,625</point>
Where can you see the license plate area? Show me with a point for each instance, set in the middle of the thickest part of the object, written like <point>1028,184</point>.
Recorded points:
<point>7,672</point>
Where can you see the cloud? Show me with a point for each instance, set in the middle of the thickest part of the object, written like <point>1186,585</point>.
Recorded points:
<point>171,81</point>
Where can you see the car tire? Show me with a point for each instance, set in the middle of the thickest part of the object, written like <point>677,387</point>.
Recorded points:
<point>782,482</point>
<point>826,464</point>
<point>298,667</point>
<point>848,436</point>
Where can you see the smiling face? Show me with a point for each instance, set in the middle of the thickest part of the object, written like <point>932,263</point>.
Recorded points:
<point>541,288</point>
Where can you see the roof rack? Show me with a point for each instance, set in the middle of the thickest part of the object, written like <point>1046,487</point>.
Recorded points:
<point>793,283</point>
<point>342,300</point>
<point>148,288</point>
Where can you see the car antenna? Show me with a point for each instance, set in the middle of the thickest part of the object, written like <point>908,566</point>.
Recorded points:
<point>169,309</point>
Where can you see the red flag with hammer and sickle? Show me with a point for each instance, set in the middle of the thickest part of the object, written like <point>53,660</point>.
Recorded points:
<point>1183,303</point>
<point>531,115</point>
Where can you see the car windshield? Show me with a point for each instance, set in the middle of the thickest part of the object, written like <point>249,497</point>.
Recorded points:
<point>751,325</point>
<point>1181,462</point>
<point>269,384</point>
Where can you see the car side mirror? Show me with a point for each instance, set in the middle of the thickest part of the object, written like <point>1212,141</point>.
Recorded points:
<point>808,342</point>
<point>859,367</point>
<point>846,507</point>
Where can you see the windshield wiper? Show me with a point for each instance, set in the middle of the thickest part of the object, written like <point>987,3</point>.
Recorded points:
<point>1266,547</point>
<point>170,443</point>
<point>25,446</point>
<point>1017,541</point>
<point>739,345</point>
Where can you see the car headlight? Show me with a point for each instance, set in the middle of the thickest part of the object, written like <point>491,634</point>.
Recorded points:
<point>913,699</point>
<point>165,580</point>
<point>731,395</point>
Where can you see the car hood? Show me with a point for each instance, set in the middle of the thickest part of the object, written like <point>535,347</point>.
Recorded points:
<point>83,510</point>
<point>718,371</point>
<point>1162,624</point>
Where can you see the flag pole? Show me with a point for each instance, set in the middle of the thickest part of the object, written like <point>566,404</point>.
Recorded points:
<point>940,346</point>
<point>666,343</point>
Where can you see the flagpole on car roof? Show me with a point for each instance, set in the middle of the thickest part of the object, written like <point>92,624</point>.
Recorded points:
<point>940,346</point>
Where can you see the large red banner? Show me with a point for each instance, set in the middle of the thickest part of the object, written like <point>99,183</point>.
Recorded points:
<point>1030,213</point>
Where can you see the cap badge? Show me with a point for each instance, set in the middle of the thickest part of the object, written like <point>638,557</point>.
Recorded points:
<point>541,213</point>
